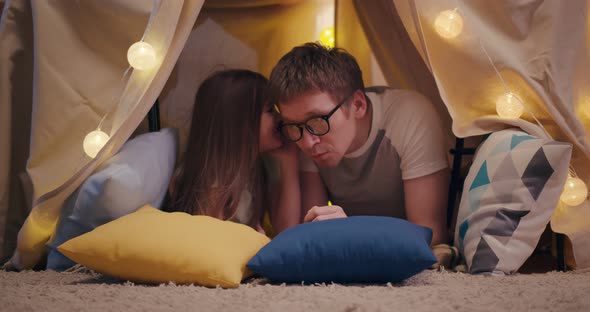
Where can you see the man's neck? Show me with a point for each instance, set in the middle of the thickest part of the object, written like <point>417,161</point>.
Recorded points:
<point>364,128</point>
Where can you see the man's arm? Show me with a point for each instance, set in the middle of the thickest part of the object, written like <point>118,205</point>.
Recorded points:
<point>313,192</point>
<point>426,203</point>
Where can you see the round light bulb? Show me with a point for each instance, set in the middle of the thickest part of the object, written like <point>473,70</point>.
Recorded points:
<point>94,141</point>
<point>448,24</point>
<point>141,55</point>
<point>575,192</point>
<point>509,106</point>
<point>328,37</point>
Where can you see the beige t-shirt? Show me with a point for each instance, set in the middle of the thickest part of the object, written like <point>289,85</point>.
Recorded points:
<point>406,141</point>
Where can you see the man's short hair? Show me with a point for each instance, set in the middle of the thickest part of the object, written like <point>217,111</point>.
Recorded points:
<point>312,67</point>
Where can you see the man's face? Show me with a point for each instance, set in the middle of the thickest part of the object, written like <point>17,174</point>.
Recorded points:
<point>326,150</point>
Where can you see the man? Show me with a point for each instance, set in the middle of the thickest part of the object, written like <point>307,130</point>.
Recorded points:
<point>372,152</point>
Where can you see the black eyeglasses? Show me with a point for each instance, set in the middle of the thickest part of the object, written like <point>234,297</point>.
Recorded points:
<point>317,125</point>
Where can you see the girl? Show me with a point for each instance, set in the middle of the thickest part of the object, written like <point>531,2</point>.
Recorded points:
<point>222,173</point>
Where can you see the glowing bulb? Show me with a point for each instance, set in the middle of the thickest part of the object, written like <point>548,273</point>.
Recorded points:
<point>327,37</point>
<point>575,192</point>
<point>448,24</point>
<point>509,106</point>
<point>94,141</point>
<point>141,55</point>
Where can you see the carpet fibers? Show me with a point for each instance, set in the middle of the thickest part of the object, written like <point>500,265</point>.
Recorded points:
<point>428,291</point>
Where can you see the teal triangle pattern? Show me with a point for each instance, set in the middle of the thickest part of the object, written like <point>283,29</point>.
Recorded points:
<point>482,177</point>
<point>462,231</point>
<point>517,139</point>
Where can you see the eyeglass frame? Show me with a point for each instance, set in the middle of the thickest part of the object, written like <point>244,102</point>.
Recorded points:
<point>301,125</point>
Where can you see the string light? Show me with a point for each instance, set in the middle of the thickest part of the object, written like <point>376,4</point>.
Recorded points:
<point>141,56</point>
<point>328,37</point>
<point>575,191</point>
<point>97,139</point>
<point>509,106</point>
<point>94,142</point>
<point>449,24</point>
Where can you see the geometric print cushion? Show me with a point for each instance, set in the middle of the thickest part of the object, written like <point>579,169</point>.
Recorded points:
<point>509,196</point>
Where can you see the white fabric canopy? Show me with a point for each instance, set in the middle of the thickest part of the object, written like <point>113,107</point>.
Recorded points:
<point>80,58</point>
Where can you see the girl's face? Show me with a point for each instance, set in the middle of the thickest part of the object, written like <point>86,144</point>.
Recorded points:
<point>270,138</point>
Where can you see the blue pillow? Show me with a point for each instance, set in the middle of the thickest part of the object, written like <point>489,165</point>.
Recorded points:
<point>137,175</point>
<point>361,249</point>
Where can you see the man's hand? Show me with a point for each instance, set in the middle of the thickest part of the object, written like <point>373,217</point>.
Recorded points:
<point>320,213</point>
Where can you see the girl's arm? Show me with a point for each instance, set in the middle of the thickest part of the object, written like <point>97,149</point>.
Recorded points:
<point>285,210</point>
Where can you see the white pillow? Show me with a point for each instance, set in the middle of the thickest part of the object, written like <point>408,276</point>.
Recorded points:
<point>137,175</point>
<point>509,196</point>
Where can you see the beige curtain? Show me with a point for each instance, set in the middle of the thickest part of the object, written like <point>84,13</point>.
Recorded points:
<point>351,37</point>
<point>80,58</point>
<point>16,77</point>
<point>398,58</point>
<point>541,49</point>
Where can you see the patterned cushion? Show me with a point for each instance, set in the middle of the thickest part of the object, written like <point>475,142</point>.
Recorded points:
<point>508,198</point>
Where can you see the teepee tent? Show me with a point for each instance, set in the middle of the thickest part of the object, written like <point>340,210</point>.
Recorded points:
<point>65,73</point>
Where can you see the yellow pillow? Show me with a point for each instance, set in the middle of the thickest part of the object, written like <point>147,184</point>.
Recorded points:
<point>157,247</point>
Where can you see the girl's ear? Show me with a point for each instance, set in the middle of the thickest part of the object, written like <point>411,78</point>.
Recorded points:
<point>359,104</point>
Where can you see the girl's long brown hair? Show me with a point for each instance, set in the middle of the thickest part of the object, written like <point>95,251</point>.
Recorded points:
<point>222,154</point>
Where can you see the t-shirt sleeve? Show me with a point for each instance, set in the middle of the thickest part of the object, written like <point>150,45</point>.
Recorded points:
<point>306,164</point>
<point>417,134</point>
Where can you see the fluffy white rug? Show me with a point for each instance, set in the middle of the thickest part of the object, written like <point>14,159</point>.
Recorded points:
<point>428,291</point>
